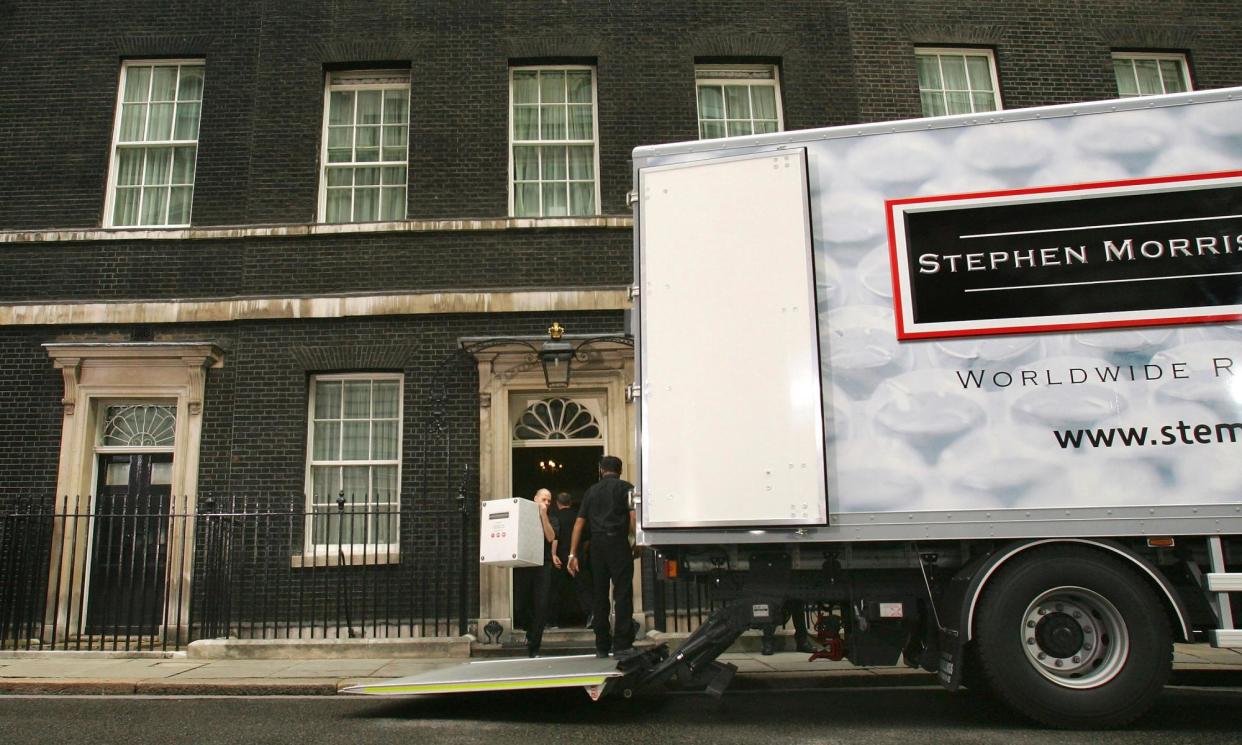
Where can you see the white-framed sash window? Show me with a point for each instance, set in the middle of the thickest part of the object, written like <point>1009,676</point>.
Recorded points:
<point>957,81</point>
<point>737,100</point>
<point>1150,73</point>
<point>366,134</point>
<point>155,144</point>
<point>553,158</point>
<point>354,453</point>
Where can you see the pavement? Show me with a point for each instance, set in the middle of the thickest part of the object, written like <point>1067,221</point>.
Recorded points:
<point>180,673</point>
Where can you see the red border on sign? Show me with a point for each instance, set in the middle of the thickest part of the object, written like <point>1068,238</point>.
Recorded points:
<point>904,335</point>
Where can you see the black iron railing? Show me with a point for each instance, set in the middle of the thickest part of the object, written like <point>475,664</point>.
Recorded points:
<point>137,574</point>
<point>677,605</point>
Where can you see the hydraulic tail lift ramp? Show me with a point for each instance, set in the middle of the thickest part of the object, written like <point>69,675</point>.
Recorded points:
<point>692,666</point>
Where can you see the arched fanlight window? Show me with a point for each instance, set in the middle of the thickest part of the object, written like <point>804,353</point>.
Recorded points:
<point>556,419</point>
<point>139,425</point>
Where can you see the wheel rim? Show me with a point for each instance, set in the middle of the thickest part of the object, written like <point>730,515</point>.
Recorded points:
<point>1075,637</point>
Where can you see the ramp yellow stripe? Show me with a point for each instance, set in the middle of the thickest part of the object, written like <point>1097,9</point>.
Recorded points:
<point>498,685</point>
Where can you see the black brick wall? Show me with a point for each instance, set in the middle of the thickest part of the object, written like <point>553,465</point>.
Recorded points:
<point>841,62</point>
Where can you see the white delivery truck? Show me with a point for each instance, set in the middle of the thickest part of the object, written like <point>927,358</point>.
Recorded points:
<point>969,387</point>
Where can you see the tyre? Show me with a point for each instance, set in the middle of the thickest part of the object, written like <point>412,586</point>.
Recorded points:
<point>1073,638</point>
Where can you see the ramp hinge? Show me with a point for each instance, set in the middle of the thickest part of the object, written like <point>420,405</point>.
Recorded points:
<point>631,198</point>
<point>633,391</point>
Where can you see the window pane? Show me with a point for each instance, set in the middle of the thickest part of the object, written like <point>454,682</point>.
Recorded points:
<point>526,200</point>
<point>164,83</point>
<point>137,83</point>
<point>980,73</point>
<point>339,155</point>
<point>737,102</point>
<point>384,525</point>
<point>357,399</point>
<point>340,177</point>
<point>187,122</point>
<point>551,86</point>
<point>525,123</point>
<point>984,101</point>
<point>712,129</point>
<point>190,88</point>
<point>581,162</point>
<point>341,107</point>
<point>392,203</point>
<point>125,210</point>
<point>327,400</point>
<point>179,205</point>
<point>327,446</point>
<point>154,206</point>
<point>355,440</point>
<point>340,137</point>
<point>552,122</point>
<point>369,103</point>
<point>1148,76</point>
<point>160,121</point>
<point>366,204</point>
<point>1171,74</point>
<point>159,160</point>
<point>394,136</point>
<point>933,103</point>
<point>764,99</point>
<point>929,71</point>
<point>133,122</point>
<point>554,200</point>
<point>525,163</point>
<point>764,127</point>
<point>580,124</point>
<point>1127,84</point>
<point>367,176</point>
<point>958,102</point>
<point>129,166</point>
<point>384,487</point>
<point>384,440</point>
<point>183,165</point>
<point>367,137</point>
<point>525,86</point>
<point>325,484</point>
<point>554,163</point>
<point>739,128</point>
<point>711,102</point>
<point>954,68</point>
<point>582,199</point>
<point>355,481</point>
<point>393,175</point>
<point>367,155</point>
<point>396,106</point>
<point>386,394</point>
<point>338,206</point>
<point>579,82</point>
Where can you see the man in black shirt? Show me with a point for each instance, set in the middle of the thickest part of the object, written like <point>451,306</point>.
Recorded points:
<point>566,515</point>
<point>543,576</point>
<point>607,513</point>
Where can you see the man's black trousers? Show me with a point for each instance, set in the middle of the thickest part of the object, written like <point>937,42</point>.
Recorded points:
<point>612,562</point>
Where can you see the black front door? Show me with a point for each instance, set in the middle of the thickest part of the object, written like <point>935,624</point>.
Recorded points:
<point>129,552</point>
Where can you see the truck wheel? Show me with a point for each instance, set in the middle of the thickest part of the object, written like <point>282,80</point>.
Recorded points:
<point>1073,638</point>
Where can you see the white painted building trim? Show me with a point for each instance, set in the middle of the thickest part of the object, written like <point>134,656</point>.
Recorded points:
<point>304,229</point>
<point>343,306</point>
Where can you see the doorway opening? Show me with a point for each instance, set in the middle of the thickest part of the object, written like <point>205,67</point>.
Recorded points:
<point>556,444</point>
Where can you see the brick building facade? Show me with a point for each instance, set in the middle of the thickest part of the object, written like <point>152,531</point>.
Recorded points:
<point>233,284</point>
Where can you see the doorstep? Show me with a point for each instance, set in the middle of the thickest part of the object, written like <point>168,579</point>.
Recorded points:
<point>320,649</point>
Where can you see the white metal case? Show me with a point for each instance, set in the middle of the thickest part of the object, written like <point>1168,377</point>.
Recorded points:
<point>510,534</point>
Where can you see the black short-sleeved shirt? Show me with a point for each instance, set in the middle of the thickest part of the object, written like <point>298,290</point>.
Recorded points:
<point>554,521</point>
<point>564,529</point>
<point>606,507</point>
